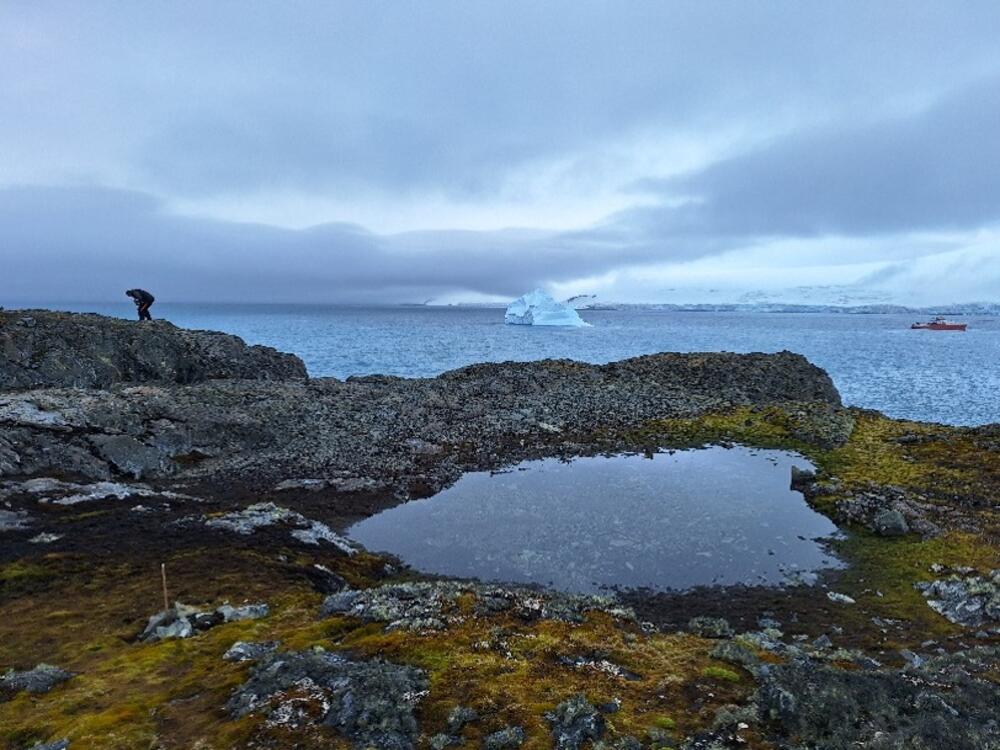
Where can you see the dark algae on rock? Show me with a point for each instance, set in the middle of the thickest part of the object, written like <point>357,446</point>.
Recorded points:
<point>228,466</point>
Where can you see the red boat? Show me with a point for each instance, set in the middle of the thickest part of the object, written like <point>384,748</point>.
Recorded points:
<point>939,324</point>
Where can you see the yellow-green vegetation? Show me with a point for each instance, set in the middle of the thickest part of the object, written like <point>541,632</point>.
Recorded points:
<point>128,694</point>
<point>720,673</point>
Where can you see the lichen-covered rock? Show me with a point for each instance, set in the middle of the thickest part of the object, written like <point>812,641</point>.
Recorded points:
<point>889,511</point>
<point>970,600</point>
<point>574,722</point>
<point>250,651</point>
<point>507,738</point>
<point>262,515</point>
<point>369,702</point>
<point>891,522</point>
<point>56,745</point>
<point>459,716</point>
<point>431,605</point>
<point>40,679</point>
<point>710,627</point>
<point>56,349</point>
<point>949,701</point>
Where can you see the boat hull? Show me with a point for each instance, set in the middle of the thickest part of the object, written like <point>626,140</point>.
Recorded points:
<point>939,326</point>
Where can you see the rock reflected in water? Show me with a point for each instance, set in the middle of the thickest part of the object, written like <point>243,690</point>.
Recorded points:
<point>712,516</point>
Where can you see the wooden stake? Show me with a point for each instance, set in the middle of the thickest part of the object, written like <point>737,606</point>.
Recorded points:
<point>163,575</point>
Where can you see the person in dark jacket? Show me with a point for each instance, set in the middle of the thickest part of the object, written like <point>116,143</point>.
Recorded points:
<point>143,301</point>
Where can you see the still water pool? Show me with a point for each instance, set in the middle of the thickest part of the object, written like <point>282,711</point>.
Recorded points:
<point>713,516</point>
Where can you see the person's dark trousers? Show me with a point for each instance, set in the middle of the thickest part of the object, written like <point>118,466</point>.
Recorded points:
<point>144,312</point>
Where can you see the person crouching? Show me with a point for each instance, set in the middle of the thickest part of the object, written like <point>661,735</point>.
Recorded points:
<point>143,301</point>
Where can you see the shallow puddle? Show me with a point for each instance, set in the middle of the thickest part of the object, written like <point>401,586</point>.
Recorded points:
<point>712,516</point>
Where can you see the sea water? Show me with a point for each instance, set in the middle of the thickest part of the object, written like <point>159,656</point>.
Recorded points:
<point>876,361</point>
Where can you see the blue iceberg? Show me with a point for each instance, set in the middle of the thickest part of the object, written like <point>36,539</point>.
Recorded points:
<point>537,308</point>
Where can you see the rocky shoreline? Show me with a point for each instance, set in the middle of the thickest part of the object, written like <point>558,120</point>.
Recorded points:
<point>124,447</point>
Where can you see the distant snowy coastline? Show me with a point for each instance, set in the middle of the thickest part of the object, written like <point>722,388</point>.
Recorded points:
<point>580,303</point>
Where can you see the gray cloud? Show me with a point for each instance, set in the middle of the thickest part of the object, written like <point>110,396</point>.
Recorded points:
<point>87,243</point>
<point>936,170</point>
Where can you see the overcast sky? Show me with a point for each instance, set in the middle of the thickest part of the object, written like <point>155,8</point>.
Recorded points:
<point>467,150</point>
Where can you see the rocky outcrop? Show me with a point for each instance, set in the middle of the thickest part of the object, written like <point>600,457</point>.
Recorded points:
<point>433,605</point>
<point>948,701</point>
<point>182,621</point>
<point>965,598</point>
<point>370,702</point>
<point>364,435</point>
<point>575,722</point>
<point>44,349</point>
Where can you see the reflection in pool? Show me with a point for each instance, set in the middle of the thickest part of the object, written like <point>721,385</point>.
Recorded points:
<point>713,516</point>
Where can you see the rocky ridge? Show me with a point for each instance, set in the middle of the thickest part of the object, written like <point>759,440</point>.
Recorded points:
<point>44,349</point>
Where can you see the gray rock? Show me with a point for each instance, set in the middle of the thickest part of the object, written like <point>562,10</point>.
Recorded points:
<point>369,702</point>
<point>459,716</point>
<point>969,600</point>
<point>802,477</point>
<point>244,612</point>
<point>441,741</point>
<point>15,520</point>
<point>40,679</point>
<point>710,627</point>
<point>430,605</point>
<point>56,745</point>
<point>507,738</point>
<point>261,515</point>
<point>891,523</point>
<point>946,702</point>
<point>130,456</point>
<point>183,621</point>
<point>250,651</point>
<point>822,642</point>
<point>574,722</point>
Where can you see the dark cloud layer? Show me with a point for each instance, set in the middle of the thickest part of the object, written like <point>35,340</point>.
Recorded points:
<point>80,243</point>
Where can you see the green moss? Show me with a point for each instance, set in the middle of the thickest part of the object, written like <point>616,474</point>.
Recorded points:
<point>664,722</point>
<point>720,673</point>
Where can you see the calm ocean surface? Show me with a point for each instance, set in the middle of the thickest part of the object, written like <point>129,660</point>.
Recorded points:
<point>875,360</point>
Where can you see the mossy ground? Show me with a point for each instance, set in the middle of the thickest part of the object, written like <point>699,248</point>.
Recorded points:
<point>84,614</point>
<point>170,695</point>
